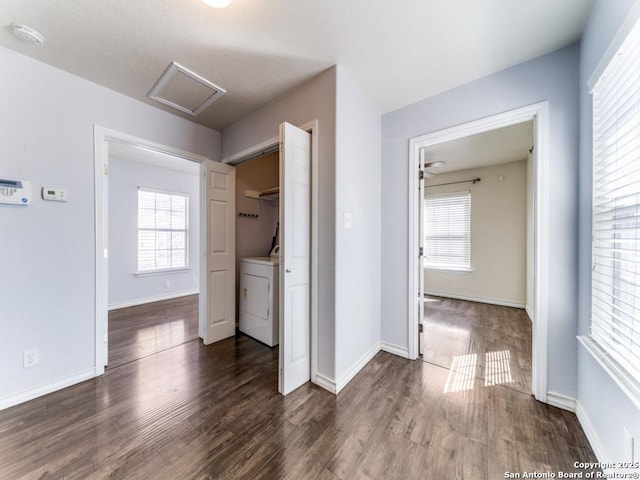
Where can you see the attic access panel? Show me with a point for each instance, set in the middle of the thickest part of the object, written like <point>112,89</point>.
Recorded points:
<point>184,90</point>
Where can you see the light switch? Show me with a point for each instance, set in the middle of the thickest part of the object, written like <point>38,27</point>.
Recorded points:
<point>348,220</point>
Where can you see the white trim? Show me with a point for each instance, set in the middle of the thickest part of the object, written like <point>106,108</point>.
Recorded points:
<point>101,137</point>
<point>260,149</point>
<point>469,298</point>
<point>313,128</point>
<point>394,349</point>
<point>162,271</point>
<point>629,22</point>
<point>48,388</point>
<point>157,298</point>
<point>527,309</point>
<point>561,401</point>
<point>592,436</point>
<point>356,367</point>
<point>539,113</point>
<point>618,374</point>
<point>327,383</point>
<point>434,268</point>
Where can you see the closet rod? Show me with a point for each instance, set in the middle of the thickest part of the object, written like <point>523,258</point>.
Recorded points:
<point>474,180</point>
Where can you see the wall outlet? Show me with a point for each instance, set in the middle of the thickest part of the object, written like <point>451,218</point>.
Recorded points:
<point>167,284</point>
<point>628,446</point>
<point>30,358</point>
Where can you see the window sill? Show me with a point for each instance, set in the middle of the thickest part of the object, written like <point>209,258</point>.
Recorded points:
<point>627,384</point>
<point>449,269</point>
<point>161,272</point>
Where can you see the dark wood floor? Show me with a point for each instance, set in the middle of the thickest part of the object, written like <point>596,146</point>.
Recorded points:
<point>136,332</point>
<point>196,412</point>
<point>478,340</point>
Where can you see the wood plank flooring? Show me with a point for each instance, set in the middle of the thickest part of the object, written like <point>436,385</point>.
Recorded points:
<point>142,330</point>
<point>213,412</point>
<point>478,340</point>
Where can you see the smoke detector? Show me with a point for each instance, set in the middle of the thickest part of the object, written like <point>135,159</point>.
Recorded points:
<point>27,34</point>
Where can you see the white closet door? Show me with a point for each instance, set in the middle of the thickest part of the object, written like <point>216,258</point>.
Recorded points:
<point>295,258</point>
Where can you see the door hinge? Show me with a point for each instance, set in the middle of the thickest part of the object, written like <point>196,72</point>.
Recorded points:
<point>420,251</point>
<point>421,175</point>
<point>105,169</point>
<point>420,328</point>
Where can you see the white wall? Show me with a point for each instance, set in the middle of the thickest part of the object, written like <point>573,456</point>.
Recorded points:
<point>498,236</point>
<point>314,100</point>
<point>358,252</point>
<point>46,136</point>
<point>603,407</point>
<point>553,77</point>
<point>126,288</point>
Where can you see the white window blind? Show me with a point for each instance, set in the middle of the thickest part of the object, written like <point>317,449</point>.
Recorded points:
<point>163,220</point>
<point>448,230</point>
<point>615,318</point>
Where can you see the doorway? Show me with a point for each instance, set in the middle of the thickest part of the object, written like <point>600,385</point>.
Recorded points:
<point>154,244</point>
<point>538,114</point>
<point>104,141</point>
<point>297,237</point>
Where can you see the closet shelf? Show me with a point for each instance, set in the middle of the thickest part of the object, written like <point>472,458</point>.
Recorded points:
<point>268,194</point>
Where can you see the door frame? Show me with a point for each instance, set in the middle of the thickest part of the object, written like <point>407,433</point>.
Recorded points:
<point>102,136</point>
<point>272,144</point>
<point>539,113</point>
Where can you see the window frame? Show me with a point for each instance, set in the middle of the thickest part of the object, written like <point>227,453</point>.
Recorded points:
<point>170,230</point>
<point>442,265</point>
<point>622,363</point>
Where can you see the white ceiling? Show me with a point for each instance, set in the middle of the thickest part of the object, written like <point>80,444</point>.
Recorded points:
<point>399,52</point>
<point>502,145</point>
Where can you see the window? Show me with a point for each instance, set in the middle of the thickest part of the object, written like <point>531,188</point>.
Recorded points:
<point>615,305</point>
<point>163,220</point>
<point>447,229</point>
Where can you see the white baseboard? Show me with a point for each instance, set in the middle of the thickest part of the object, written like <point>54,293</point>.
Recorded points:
<point>529,312</point>
<point>157,298</point>
<point>325,382</point>
<point>592,436</point>
<point>394,349</point>
<point>492,301</point>
<point>41,390</point>
<point>356,367</point>
<point>561,401</point>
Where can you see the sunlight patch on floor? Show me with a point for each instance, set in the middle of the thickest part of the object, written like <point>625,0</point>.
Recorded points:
<point>462,373</point>
<point>497,368</point>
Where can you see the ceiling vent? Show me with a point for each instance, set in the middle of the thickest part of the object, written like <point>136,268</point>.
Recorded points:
<point>184,90</point>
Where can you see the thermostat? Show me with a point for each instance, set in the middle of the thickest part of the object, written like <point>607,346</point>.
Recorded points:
<point>55,194</point>
<point>15,192</point>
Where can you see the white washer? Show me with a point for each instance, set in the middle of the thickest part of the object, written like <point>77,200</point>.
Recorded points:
<point>259,298</point>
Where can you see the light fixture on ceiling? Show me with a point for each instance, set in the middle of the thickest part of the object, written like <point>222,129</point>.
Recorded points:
<point>27,34</point>
<point>217,3</point>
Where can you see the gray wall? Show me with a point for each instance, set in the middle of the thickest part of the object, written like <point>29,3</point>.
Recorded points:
<point>48,300</point>
<point>314,100</point>
<point>126,288</point>
<point>553,77</point>
<point>604,408</point>
<point>358,251</point>
<point>348,180</point>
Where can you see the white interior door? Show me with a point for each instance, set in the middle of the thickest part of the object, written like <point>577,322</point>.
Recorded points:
<point>295,258</point>
<point>221,252</point>
<point>421,246</point>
